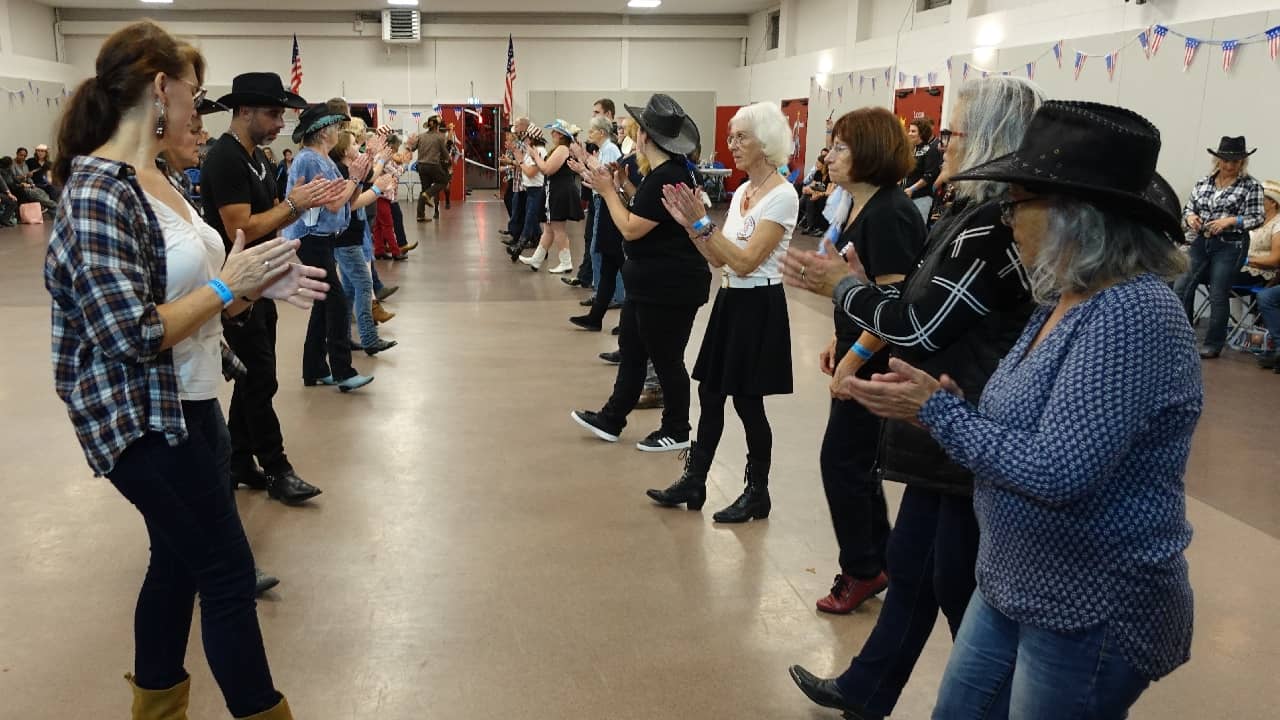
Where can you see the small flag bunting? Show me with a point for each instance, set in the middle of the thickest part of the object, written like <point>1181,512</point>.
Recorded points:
<point>965,73</point>
<point>1057,53</point>
<point>1189,55</point>
<point>1145,43</point>
<point>1111,60</point>
<point>862,82</point>
<point>902,79</point>
<point>1031,71</point>
<point>1273,40</point>
<point>1228,54</point>
<point>1081,58</point>
<point>915,82</point>
<point>1157,36</point>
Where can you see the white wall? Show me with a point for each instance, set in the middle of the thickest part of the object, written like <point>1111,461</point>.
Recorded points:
<point>28,63</point>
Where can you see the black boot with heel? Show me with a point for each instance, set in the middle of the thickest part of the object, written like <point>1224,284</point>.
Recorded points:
<point>691,488</point>
<point>753,503</point>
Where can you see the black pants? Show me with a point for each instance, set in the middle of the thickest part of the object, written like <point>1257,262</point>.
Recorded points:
<point>658,333</point>
<point>755,423</point>
<point>198,546</point>
<point>434,179</point>
<point>515,225</point>
<point>397,222</point>
<point>606,285</point>
<point>327,349</point>
<point>932,553</point>
<point>854,495</point>
<point>585,275</point>
<point>812,211</point>
<point>255,429</point>
<point>507,194</point>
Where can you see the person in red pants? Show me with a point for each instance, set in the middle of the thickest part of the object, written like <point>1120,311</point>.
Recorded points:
<point>385,243</point>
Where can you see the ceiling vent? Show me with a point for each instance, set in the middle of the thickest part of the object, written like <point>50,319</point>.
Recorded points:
<point>401,26</point>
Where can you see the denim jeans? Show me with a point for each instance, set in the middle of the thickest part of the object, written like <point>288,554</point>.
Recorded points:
<point>619,292</point>
<point>515,224</point>
<point>198,546</point>
<point>358,284</point>
<point>1003,669</point>
<point>326,350</point>
<point>535,213</point>
<point>1215,262</point>
<point>1269,308</point>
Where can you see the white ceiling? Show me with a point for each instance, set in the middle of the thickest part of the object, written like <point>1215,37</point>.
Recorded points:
<point>668,7</point>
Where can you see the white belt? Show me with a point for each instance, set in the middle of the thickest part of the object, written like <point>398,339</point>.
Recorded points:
<point>733,281</point>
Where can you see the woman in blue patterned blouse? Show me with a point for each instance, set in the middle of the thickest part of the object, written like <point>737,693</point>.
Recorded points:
<point>1080,441</point>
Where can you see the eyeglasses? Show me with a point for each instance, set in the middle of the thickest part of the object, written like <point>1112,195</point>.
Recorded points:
<point>837,148</point>
<point>197,93</point>
<point>739,139</point>
<point>944,137</point>
<point>1007,215</point>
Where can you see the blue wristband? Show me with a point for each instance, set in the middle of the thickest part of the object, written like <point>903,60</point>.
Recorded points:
<point>861,351</point>
<point>1240,220</point>
<point>377,191</point>
<point>701,224</point>
<point>224,293</point>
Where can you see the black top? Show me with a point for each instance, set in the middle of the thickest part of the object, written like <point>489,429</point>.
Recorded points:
<point>230,176</point>
<point>928,166</point>
<point>354,234</point>
<point>663,266</point>
<point>888,236</point>
<point>39,173</point>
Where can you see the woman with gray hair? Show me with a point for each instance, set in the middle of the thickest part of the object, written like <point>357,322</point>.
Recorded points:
<point>1080,443</point>
<point>957,313</point>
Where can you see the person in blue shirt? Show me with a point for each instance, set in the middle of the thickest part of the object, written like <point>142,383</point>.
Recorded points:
<point>1080,442</point>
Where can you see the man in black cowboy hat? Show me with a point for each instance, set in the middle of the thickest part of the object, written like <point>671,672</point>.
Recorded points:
<point>1222,209</point>
<point>239,195</point>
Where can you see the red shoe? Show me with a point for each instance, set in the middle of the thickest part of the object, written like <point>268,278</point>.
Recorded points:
<point>849,592</point>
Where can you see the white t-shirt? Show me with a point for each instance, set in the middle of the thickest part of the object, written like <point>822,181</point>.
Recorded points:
<point>1260,240</point>
<point>193,255</point>
<point>780,205</point>
<point>609,153</point>
<point>537,180</point>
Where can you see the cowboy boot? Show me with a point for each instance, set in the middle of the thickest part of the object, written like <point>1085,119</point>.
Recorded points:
<point>170,704</point>
<point>691,488</point>
<point>754,501</point>
<point>279,712</point>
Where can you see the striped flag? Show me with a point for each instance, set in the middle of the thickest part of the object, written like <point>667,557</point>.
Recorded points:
<point>1145,42</point>
<point>1157,36</point>
<point>1273,40</point>
<point>1189,55</point>
<point>902,79</point>
<point>295,70</point>
<point>933,79</point>
<point>1057,53</point>
<point>915,82</point>
<point>1031,71</point>
<point>1228,54</point>
<point>511,78</point>
<point>862,82</point>
<point>1081,58</point>
<point>1111,61</point>
<point>964,74</point>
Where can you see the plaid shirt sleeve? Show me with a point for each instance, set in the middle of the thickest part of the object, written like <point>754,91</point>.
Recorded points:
<point>1251,213</point>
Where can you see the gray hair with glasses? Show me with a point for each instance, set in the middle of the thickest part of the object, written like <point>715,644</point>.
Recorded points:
<point>600,123</point>
<point>996,112</point>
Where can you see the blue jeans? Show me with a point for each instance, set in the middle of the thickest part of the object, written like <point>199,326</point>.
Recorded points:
<point>1003,669</point>
<point>358,284</point>
<point>535,213</point>
<point>1269,307</point>
<point>1215,261</point>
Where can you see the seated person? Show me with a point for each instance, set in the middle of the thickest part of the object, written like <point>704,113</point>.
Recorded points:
<point>25,190</point>
<point>41,168</point>
<point>813,199</point>
<point>8,206</point>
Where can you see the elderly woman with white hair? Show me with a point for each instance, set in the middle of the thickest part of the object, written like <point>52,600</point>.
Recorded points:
<point>746,351</point>
<point>606,242</point>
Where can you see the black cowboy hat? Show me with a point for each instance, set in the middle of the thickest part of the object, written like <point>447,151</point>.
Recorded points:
<point>260,89</point>
<point>666,123</point>
<point>316,117</point>
<point>209,107</point>
<point>1231,148</point>
<point>1101,153</point>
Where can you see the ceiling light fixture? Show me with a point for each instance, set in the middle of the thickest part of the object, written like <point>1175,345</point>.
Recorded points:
<point>644,3</point>
<point>158,2</point>
<point>409,3</point>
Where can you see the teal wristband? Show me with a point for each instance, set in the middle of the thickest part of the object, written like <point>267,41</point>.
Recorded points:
<point>861,351</point>
<point>224,293</point>
<point>701,224</point>
<point>1240,220</point>
<point>377,191</point>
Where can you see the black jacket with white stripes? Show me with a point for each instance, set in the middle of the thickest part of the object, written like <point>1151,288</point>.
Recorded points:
<point>957,313</point>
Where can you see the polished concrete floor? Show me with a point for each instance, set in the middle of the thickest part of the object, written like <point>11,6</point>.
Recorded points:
<point>476,555</point>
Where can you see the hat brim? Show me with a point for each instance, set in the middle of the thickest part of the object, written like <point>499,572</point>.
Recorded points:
<point>1156,206</point>
<point>682,144</point>
<point>1230,155</point>
<point>209,107</point>
<point>251,99</point>
<point>329,119</point>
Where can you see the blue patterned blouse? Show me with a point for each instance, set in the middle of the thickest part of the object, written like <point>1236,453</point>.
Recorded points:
<point>1079,450</point>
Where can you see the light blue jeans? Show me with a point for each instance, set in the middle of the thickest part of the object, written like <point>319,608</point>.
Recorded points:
<point>357,282</point>
<point>1001,669</point>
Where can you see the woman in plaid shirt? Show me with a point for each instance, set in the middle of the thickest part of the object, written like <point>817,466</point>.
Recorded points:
<point>1222,209</point>
<point>139,283</point>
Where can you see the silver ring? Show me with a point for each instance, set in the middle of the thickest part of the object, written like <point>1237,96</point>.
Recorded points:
<point>803,269</point>
<point>266,263</point>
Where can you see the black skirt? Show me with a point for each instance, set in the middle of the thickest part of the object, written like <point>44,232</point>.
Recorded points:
<point>564,201</point>
<point>747,347</point>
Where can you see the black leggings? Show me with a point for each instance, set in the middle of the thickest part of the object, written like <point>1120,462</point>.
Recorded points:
<point>750,410</point>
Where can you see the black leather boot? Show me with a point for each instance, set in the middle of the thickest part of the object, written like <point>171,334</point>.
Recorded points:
<point>691,488</point>
<point>754,501</point>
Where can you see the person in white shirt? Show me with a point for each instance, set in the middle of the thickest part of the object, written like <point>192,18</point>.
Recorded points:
<point>746,351</point>
<point>535,192</point>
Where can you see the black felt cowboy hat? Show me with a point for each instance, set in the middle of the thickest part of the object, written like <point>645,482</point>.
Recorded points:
<point>315,118</point>
<point>260,89</point>
<point>1231,148</point>
<point>666,123</point>
<point>209,107</point>
<point>1100,153</point>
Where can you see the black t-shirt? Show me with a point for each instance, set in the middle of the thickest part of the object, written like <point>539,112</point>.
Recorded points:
<point>231,177</point>
<point>663,266</point>
<point>888,236</point>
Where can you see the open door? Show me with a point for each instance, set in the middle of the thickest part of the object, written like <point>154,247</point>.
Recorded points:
<point>482,145</point>
<point>454,123</point>
<point>797,112</point>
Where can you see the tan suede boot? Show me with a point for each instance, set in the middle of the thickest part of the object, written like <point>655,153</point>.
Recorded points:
<point>168,704</point>
<point>279,712</point>
<point>381,314</point>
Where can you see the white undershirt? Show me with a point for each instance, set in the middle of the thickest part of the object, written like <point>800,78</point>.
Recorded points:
<point>777,206</point>
<point>537,180</point>
<point>193,255</point>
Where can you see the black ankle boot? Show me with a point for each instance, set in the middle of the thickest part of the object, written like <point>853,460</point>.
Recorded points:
<point>691,488</point>
<point>754,501</point>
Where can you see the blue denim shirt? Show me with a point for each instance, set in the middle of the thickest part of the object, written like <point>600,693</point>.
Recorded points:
<point>307,166</point>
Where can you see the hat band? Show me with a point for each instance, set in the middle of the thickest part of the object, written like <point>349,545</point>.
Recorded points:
<point>322,123</point>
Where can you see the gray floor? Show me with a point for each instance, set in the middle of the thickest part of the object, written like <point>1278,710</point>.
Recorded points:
<point>476,555</point>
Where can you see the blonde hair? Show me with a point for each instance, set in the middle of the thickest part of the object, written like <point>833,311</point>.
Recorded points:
<point>357,127</point>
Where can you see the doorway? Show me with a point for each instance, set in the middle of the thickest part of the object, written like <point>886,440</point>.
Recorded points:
<point>922,102</point>
<point>797,112</point>
<point>482,145</point>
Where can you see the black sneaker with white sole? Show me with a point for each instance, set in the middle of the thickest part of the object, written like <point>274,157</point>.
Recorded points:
<point>596,424</point>
<point>663,441</point>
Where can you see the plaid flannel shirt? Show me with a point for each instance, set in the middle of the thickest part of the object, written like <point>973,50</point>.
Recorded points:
<point>1242,198</point>
<point>105,268</point>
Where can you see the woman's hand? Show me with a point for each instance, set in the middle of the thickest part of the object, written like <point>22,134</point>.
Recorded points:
<point>602,180</point>
<point>819,274</point>
<point>375,145</point>
<point>1194,222</point>
<point>385,182</point>
<point>247,270</point>
<point>1221,225</point>
<point>300,286</point>
<point>683,204</point>
<point>898,394</point>
<point>316,193</point>
<point>358,170</point>
<point>827,358</point>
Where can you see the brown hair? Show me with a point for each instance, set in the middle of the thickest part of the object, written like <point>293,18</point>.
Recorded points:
<point>878,146</point>
<point>924,126</point>
<point>128,62</point>
<point>346,139</point>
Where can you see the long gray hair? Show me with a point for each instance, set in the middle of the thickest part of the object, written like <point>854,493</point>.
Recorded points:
<point>1086,247</point>
<point>995,114</point>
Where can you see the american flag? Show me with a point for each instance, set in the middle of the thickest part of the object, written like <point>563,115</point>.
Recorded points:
<point>1228,53</point>
<point>511,77</point>
<point>1189,55</point>
<point>1112,60</point>
<point>1157,36</point>
<point>1273,40</point>
<point>295,73</point>
<point>1081,58</point>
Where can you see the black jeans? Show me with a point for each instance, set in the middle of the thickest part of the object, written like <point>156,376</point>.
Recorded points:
<point>434,179</point>
<point>197,546</point>
<point>255,429</point>
<point>327,349</point>
<point>659,333</point>
<point>854,495</point>
<point>932,553</point>
<point>586,276</point>
<point>605,285</point>
<point>515,225</point>
<point>397,222</point>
